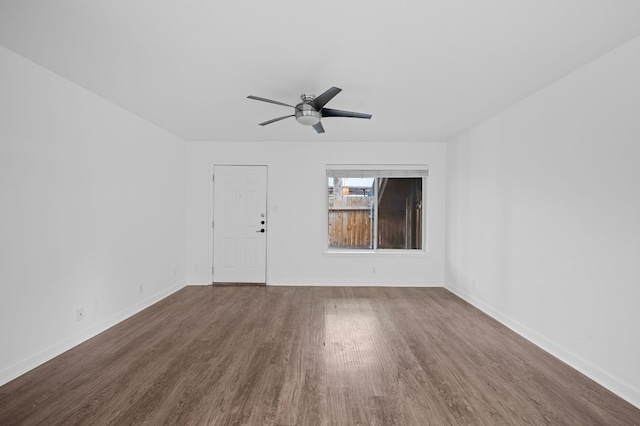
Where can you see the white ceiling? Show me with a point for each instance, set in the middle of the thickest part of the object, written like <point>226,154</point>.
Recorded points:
<point>425,69</point>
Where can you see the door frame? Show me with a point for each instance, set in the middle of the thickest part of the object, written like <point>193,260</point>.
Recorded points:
<point>212,218</point>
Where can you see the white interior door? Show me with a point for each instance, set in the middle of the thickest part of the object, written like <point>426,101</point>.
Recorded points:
<point>239,224</point>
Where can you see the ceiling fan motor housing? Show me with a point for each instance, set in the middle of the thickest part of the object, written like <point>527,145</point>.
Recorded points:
<point>306,114</point>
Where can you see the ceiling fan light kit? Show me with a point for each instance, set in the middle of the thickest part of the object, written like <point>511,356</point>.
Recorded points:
<point>305,114</point>
<point>311,110</point>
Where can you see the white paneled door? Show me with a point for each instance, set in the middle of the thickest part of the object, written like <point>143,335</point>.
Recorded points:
<point>239,224</point>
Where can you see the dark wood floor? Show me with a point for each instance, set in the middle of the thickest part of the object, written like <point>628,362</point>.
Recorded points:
<point>304,356</point>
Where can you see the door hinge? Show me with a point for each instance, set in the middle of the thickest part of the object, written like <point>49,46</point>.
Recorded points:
<point>213,178</point>
<point>212,222</point>
<point>212,270</point>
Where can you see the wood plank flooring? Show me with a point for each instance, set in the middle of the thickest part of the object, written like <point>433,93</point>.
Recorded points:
<point>309,356</point>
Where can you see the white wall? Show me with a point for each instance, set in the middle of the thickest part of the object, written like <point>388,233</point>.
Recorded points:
<point>297,226</point>
<point>93,206</point>
<point>544,218</point>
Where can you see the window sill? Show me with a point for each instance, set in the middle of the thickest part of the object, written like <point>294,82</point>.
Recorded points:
<point>379,252</point>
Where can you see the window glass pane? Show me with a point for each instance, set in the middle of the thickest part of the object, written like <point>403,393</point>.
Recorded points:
<point>381,209</point>
<point>351,203</point>
<point>400,213</point>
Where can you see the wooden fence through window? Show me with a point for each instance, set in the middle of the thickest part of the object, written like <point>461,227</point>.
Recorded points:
<point>349,228</point>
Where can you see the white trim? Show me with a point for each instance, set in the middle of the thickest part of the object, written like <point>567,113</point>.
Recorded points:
<point>377,252</point>
<point>376,170</point>
<point>356,283</point>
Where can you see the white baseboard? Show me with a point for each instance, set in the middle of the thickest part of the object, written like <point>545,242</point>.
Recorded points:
<point>616,385</point>
<point>40,358</point>
<point>358,283</point>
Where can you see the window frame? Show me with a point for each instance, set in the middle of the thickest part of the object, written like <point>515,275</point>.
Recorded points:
<point>378,171</point>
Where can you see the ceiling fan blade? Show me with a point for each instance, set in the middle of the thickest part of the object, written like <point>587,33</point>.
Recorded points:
<point>275,119</point>
<point>258,98</point>
<point>322,100</point>
<point>326,112</point>
<point>318,127</point>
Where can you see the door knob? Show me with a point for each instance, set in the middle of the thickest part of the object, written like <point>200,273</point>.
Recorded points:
<point>262,230</point>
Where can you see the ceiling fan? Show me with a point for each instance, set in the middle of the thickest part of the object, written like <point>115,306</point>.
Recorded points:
<point>311,109</point>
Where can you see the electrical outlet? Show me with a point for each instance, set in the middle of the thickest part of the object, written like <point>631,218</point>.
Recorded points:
<point>473,284</point>
<point>79,314</point>
<point>141,289</point>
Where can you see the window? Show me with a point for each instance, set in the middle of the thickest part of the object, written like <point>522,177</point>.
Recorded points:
<point>375,208</point>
